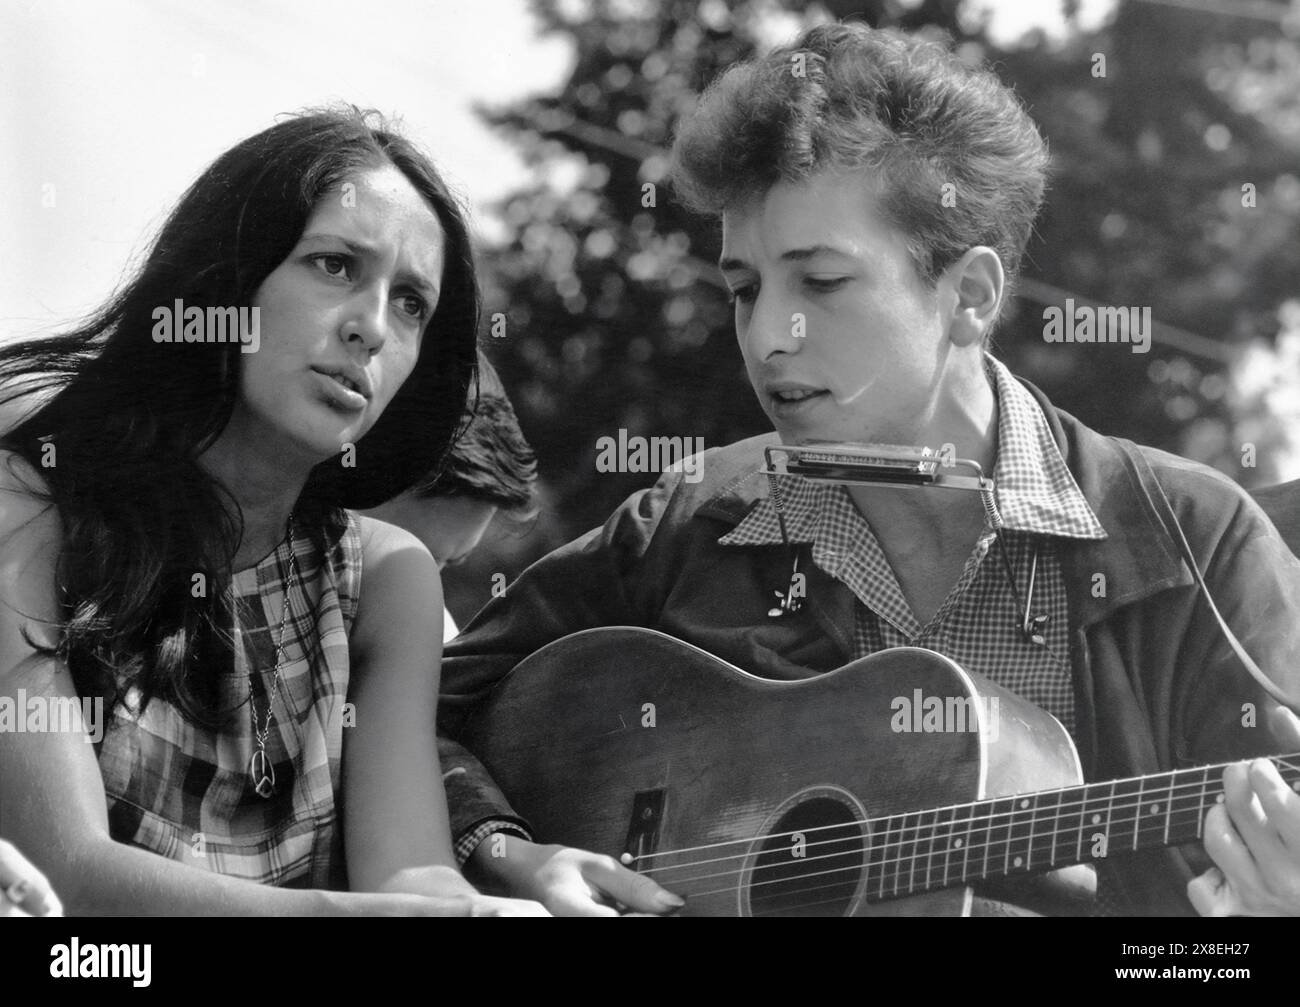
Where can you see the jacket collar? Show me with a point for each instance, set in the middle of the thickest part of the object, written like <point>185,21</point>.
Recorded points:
<point>1136,559</point>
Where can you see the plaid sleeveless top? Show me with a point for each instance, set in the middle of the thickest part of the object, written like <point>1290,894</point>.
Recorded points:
<point>184,792</point>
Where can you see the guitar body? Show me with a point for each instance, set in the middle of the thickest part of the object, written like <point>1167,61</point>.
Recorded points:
<point>750,796</point>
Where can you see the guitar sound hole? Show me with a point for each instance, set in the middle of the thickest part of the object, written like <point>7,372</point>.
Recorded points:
<point>811,864</point>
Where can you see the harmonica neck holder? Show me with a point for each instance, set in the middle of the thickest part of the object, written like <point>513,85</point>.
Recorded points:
<point>879,465</point>
<point>890,465</point>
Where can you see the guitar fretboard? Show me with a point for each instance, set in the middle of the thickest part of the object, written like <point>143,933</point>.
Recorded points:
<point>926,850</point>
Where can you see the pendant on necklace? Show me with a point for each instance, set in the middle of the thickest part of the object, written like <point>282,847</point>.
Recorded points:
<point>262,773</point>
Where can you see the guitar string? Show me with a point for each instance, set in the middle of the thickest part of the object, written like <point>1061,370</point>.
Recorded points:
<point>883,876</point>
<point>903,859</point>
<point>1009,841</point>
<point>863,889</point>
<point>916,834</point>
<point>786,908</point>
<point>990,816</point>
<point>1283,763</point>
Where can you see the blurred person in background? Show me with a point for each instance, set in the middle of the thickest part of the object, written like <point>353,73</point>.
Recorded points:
<point>490,470</point>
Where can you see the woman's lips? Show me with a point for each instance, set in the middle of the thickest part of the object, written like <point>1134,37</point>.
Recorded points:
<point>340,393</point>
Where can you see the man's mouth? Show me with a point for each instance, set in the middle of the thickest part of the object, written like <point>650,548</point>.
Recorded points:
<point>346,382</point>
<point>796,395</point>
<point>788,397</point>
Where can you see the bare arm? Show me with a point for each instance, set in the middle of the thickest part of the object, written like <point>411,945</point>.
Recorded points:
<point>52,801</point>
<point>395,811</point>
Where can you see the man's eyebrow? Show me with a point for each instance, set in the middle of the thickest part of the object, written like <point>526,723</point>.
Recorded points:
<point>793,255</point>
<point>363,249</point>
<point>811,252</point>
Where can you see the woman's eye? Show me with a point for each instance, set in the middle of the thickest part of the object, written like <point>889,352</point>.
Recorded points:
<point>413,305</point>
<point>332,265</point>
<point>745,294</point>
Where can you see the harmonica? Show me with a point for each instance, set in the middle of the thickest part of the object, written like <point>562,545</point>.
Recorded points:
<point>890,464</point>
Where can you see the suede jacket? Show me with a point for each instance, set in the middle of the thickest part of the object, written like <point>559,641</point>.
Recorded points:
<point>1282,504</point>
<point>1157,686</point>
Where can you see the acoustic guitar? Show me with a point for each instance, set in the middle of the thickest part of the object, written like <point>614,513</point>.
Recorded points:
<point>890,786</point>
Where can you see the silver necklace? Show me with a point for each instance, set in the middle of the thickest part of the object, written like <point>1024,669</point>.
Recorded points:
<point>261,772</point>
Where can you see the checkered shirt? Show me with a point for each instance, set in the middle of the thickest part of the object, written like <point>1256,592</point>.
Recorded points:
<point>184,792</point>
<point>978,625</point>
<point>469,841</point>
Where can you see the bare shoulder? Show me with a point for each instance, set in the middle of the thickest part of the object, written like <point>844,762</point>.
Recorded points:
<point>379,539</point>
<point>401,590</point>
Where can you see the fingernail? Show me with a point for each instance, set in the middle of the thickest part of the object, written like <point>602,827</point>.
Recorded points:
<point>671,901</point>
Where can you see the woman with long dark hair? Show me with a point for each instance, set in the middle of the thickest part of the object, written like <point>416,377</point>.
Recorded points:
<point>181,581</point>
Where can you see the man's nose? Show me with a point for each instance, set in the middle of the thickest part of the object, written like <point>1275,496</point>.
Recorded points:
<point>774,327</point>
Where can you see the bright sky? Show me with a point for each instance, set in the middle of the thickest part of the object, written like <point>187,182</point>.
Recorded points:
<point>110,108</point>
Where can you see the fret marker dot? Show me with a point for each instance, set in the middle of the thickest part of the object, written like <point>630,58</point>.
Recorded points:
<point>1096,818</point>
<point>1155,809</point>
<point>1025,803</point>
<point>956,844</point>
<point>1218,799</point>
<point>1018,861</point>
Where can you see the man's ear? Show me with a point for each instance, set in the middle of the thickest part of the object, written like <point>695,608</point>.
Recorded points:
<point>977,281</point>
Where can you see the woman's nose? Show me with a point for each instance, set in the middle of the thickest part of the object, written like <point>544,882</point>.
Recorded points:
<point>366,321</point>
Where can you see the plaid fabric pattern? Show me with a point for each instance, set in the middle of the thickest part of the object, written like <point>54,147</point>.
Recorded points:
<point>978,625</point>
<point>184,792</point>
<point>469,842</point>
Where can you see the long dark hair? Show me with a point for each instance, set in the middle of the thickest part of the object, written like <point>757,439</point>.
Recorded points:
<point>123,420</point>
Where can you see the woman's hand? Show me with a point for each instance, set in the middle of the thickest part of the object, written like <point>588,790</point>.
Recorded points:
<point>404,904</point>
<point>23,889</point>
<point>570,882</point>
<point>443,891</point>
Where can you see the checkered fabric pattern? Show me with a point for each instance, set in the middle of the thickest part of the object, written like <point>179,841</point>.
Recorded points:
<point>469,842</point>
<point>184,792</point>
<point>978,625</point>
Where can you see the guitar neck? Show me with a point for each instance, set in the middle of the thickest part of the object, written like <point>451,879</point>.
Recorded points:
<point>926,850</point>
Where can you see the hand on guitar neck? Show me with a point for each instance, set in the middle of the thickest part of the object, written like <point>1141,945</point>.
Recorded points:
<point>1254,838</point>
